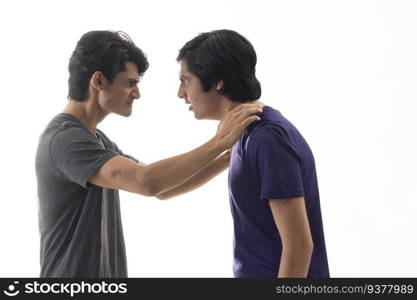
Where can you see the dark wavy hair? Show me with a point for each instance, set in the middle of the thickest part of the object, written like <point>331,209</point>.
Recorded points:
<point>105,51</point>
<point>223,55</point>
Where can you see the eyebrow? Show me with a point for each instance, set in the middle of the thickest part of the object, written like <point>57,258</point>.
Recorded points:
<point>182,77</point>
<point>134,80</point>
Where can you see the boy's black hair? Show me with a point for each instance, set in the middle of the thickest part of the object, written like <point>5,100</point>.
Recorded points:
<point>105,51</point>
<point>223,55</point>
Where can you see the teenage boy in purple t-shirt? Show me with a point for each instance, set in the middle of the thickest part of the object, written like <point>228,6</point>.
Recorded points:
<point>273,186</point>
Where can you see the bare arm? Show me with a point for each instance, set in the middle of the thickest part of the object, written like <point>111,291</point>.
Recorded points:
<point>158,177</point>
<point>213,169</point>
<point>291,219</point>
<point>149,180</point>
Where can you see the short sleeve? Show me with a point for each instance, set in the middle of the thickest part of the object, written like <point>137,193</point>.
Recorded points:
<point>275,163</point>
<point>113,145</point>
<point>77,154</point>
<point>124,154</point>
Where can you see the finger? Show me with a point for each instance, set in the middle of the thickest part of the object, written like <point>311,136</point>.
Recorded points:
<point>244,106</point>
<point>237,108</point>
<point>240,126</point>
<point>252,104</point>
<point>249,120</point>
<point>249,111</point>
<point>253,109</point>
<point>242,111</point>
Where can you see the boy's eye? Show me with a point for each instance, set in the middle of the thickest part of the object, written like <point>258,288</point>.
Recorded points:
<point>132,83</point>
<point>184,80</point>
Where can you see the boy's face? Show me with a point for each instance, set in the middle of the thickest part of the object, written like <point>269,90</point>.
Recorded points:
<point>203,104</point>
<point>118,96</point>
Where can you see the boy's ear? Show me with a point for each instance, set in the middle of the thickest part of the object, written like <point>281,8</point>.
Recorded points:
<point>98,80</point>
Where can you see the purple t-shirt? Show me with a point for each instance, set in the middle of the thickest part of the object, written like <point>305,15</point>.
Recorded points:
<point>271,160</point>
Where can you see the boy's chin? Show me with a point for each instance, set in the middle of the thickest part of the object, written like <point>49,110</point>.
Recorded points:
<point>124,113</point>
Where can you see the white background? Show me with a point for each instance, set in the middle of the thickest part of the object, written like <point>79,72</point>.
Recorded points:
<point>344,72</point>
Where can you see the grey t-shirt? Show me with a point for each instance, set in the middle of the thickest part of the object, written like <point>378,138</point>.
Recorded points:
<point>80,224</point>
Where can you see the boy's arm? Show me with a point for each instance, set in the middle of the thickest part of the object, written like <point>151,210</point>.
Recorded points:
<point>297,245</point>
<point>158,177</point>
<point>213,169</point>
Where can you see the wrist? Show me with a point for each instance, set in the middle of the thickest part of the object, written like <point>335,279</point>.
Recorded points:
<point>217,145</point>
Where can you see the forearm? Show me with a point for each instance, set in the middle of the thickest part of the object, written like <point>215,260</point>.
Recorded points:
<point>295,261</point>
<point>166,174</point>
<point>213,169</point>
<point>156,178</point>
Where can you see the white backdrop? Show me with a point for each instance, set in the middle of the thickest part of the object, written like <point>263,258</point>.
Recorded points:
<point>344,72</point>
